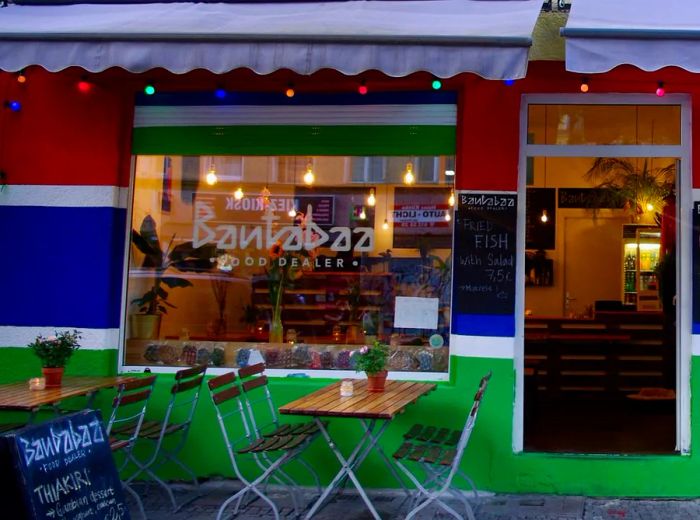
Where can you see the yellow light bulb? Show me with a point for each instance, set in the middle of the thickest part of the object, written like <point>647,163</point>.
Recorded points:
<point>292,212</point>
<point>544,217</point>
<point>309,176</point>
<point>451,200</point>
<point>211,177</point>
<point>371,200</point>
<point>408,177</point>
<point>448,217</point>
<point>238,194</point>
<point>385,226</point>
<point>650,206</point>
<point>363,215</point>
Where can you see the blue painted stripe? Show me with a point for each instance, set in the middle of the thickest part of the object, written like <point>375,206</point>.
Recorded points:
<point>442,97</point>
<point>696,328</point>
<point>502,325</point>
<point>62,267</point>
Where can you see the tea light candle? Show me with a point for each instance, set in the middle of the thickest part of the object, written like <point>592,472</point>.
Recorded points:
<point>346,388</point>
<point>37,383</point>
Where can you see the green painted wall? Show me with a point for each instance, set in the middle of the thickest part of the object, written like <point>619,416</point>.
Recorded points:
<point>488,459</point>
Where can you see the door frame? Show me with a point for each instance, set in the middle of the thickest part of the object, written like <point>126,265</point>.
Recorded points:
<point>683,233</point>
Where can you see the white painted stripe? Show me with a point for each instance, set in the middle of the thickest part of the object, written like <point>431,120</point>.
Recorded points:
<point>696,194</point>
<point>64,196</point>
<point>230,115</point>
<point>482,346</point>
<point>92,339</point>
<point>695,345</point>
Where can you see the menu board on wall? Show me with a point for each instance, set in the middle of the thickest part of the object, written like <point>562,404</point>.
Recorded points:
<point>484,254</point>
<point>61,469</point>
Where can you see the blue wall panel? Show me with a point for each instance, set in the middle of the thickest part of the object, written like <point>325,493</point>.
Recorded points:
<point>502,325</point>
<point>61,267</point>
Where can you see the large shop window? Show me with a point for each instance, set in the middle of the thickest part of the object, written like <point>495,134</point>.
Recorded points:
<point>293,260</point>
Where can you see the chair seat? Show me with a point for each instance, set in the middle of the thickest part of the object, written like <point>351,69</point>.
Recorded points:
<point>152,431</point>
<point>426,452</point>
<point>118,444</point>
<point>308,428</point>
<point>278,443</point>
<point>433,435</point>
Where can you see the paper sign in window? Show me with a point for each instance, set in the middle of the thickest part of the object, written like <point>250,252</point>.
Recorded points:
<point>416,313</point>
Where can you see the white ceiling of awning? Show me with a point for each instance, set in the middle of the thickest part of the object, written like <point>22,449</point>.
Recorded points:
<point>444,37</point>
<point>649,34</point>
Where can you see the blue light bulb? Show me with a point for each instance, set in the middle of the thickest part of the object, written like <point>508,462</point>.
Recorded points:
<point>15,106</point>
<point>509,82</point>
<point>220,93</point>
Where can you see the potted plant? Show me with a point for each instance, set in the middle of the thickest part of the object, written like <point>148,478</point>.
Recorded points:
<point>372,360</point>
<point>354,299</point>
<point>182,257</point>
<point>54,352</point>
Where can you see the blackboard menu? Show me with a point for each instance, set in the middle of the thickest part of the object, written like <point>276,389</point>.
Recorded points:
<point>61,469</point>
<point>484,254</point>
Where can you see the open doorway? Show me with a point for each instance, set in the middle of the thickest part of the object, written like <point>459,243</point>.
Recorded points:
<point>600,341</point>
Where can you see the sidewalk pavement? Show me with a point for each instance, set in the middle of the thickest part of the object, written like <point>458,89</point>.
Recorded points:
<point>392,505</point>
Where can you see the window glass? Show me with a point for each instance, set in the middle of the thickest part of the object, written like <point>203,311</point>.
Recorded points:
<point>604,124</point>
<point>292,260</point>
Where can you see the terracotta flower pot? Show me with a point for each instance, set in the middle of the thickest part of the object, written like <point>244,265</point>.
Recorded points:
<point>53,376</point>
<point>376,381</point>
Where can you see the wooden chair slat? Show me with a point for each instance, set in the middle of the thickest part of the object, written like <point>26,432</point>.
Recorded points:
<point>252,446</point>
<point>137,382</point>
<point>417,453</point>
<point>432,454</point>
<point>250,370</point>
<point>413,432</point>
<point>216,382</point>
<point>184,386</point>
<point>135,397</point>
<point>295,441</point>
<point>447,457</point>
<point>441,436</point>
<point>282,430</point>
<point>226,395</point>
<point>403,450</point>
<point>427,434</point>
<point>453,439</point>
<point>189,372</point>
<point>254,383</point>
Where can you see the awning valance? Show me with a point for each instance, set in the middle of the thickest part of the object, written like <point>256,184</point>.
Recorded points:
<point>443,37</point>
<point>648,34</point>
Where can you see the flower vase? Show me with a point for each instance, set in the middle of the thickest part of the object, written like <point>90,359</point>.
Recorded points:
<point>276,328</point>
<point>376,381</point>
<point>53,376</point>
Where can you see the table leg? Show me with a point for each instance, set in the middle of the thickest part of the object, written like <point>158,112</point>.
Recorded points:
<point>368,441</point>
<point>368,429</point>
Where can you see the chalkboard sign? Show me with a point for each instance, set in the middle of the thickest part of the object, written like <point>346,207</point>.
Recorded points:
<point>61,469</point>
<point>484,254</point>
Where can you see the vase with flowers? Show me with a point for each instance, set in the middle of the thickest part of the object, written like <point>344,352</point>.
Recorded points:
<point>372,360</point>
<point>54,352</point>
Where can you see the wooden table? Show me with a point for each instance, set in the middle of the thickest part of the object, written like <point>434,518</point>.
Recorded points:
<point>369,408</point>
<point>18,396</point>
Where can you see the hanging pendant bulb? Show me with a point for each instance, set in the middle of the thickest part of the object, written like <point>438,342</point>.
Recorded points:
<point>363,214</point>
<point>309,176</point>
<point>408,177</point>
<point>451,200</point>
<point>448,217</point>
<point>385,226</point>
<point>292,212</point>
<point>371,199</point>
<point>265,197</point>
<point>211,177</point>
<point>544,217</point>
<point>238,194</point>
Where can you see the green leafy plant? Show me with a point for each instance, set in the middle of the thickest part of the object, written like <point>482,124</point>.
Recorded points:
<point>371,359</point>
<point>54,351</point>
<point>183,257</point>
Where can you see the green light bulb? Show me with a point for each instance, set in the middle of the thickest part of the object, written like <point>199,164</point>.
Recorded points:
<point>149,90</point>
<point>437,84</point>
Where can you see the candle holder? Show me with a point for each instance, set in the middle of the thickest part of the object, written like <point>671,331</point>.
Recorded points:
<point>37,383</point>
<point>346,388</point>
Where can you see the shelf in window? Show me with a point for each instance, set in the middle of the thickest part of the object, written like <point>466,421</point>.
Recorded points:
<point>343,292</point>
<point>315,306</point>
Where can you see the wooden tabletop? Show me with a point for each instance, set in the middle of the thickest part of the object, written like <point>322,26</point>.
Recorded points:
<point>327,402</point>
<point>18,396</point>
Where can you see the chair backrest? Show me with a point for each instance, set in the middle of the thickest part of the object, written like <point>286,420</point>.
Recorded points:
<point>129,407</point>
<point>226,396</point>
<point>471,421</point>
<point>184,395</point>
<point>258,399</point>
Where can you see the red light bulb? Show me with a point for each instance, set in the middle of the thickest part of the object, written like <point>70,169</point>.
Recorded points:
<point>84,86</point>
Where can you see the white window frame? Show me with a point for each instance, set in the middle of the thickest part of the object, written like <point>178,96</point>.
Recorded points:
<point>685,199</point>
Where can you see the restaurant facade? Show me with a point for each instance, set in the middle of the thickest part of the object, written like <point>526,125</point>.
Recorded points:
<point>474,211</point>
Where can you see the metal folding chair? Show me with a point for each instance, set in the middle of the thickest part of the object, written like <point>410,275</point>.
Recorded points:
<point>125,422</point>
<point>263,413</point>
<point>269,453</point>
<point>439,451</point>
<point>169,436</point>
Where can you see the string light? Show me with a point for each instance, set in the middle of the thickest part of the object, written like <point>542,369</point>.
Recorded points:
<point>265,197</point>
<point>408,177</point>
<point>21,78</point>
<point>544,217</point>
<point>660,90</point>
<point>292,212</point>
<point>363,214</point>
<point>84,86</point>
<point>290,91</point>
<point>238,194</point>
<point>451,200</point>
<point>371,199</point>
<point>362,89</point>
<point>211,177</point>
<point>436,84</point>
<point>509,82</point>
<point>14,105</point>
<point>448,217</point>
<point>309,176</point>
<point>220,93</point>
<point>149,89</point>
<point>385,226</point>
<point>584,85</point>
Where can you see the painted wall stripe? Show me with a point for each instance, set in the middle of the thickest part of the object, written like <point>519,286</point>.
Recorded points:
<point>295,140</point>
<point>482,346</point>
<point>279,99</point>
<point>92,339</point>
<point>695,344</point>
<point>64,196</point>
<point>62,267</point>
<point>502,325</point>
<point>322,115</point>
